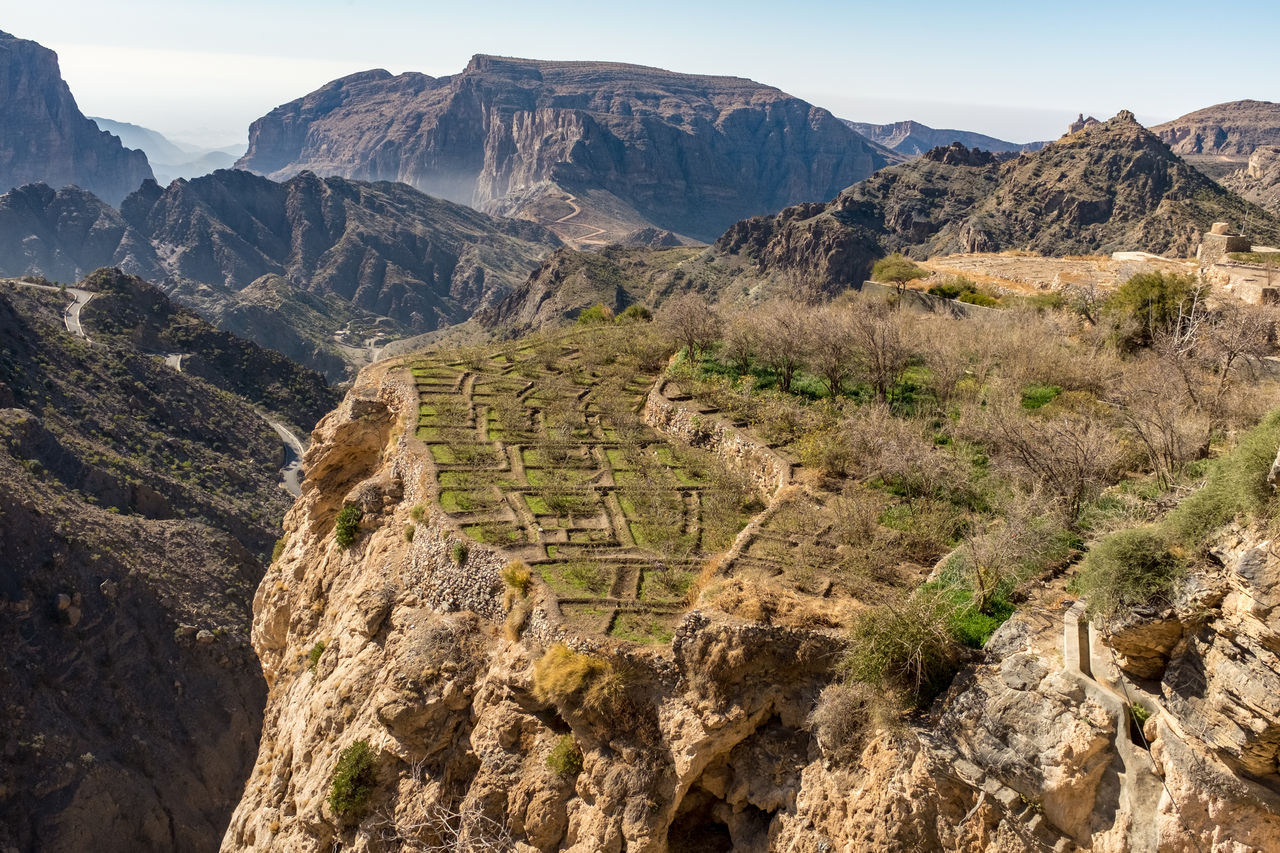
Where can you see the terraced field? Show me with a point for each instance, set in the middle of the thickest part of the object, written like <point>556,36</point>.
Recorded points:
<point>540,449</point>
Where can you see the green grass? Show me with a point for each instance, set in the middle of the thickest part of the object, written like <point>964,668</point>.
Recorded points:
<point>443,454</point>
<point>641,628</point>
<point>537,505</point>
<point>1036,396</point>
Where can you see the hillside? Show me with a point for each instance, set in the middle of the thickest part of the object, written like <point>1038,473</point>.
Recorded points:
<point>1259,180</point>
<point>44,137</point>
<point>593,150</point>
<point>1110,187</point>
<point>138,514</point>
<point>315,268</point>
<point>911,138</point>
<point>168,159</point>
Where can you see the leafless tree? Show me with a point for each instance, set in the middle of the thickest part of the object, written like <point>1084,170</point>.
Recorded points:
<point>832,350</point>
<point>690,321</point>
<point>782,327</point>
<point>884,353</point>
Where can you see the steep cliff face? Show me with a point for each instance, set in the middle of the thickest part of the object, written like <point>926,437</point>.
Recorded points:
<point>1235,128</point>
<point>44,137</point>
<point>709,744</point>
<point>1259,181</point>
<point>1111,186</point>
<point>686,153</point>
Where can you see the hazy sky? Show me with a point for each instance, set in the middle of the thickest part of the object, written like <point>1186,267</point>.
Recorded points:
<point>202,71</point>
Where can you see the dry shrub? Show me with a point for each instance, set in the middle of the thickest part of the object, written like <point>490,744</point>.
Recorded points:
<point>847,715</point>
<point>569,678</point>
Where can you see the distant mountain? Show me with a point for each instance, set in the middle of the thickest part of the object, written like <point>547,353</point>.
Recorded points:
<point>169,160</point>
<point>315,268</point>
<point>913,138</point>
<point>44,137</point>
<point>593,150</point>
<point>1219,139</point>
<point>1111,186</point>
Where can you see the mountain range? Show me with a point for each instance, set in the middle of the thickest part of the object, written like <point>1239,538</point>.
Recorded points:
<point>169,159</point>
<point>593,150</point>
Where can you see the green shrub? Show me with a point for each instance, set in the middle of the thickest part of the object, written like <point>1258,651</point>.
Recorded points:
<point>279,548</point>
<point>1235,485</point>
<point>348,524</point>
<point>565,758</point>
<point>635,313</point>
<point>409,530</point>
<point>353,780</point>
<point>458,553</point>
<point>907,647</point>
<point>897,270</point>
<point>1036,395</point>
<point>1129,568</point>
<point>1150,302</point>
<point>418,512</point>
<point>313,656</point>
<point>1140,714</point>
<point>596,315</point>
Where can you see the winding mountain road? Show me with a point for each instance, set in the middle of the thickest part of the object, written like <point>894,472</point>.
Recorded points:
<point>572,201</point>
<point>290,474</point>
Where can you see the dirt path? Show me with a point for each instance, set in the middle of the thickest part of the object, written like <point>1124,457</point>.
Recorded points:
<point>572,201</point>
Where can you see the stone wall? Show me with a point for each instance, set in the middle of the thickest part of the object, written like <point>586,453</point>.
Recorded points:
<point>769,470</point>
<point>1214,247</point>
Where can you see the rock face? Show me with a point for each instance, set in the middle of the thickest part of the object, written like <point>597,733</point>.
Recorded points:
<point>709,744</point>
<point>313,267</point>
<point>685,153</point>
<point>911,138</point>
<point>138,512</point>
<point>1259,181</point>
<point>1235,128</point>
<point>44,137</point>
<point>1110,186</point>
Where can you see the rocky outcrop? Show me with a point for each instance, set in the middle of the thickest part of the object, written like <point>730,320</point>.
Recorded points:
<point>1259,180</point>
<point>690,154</point>
<point>45,138</point>
<point>1111,186</point>
<point>912,139</point>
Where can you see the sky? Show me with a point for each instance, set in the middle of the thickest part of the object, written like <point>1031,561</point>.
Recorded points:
<point>200,72</point>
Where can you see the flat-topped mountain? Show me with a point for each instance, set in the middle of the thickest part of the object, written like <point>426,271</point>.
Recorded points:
<point>44,136</point>
<point>312,267</point>
<point>1110,186</point>
<point>911,138</point>
<point>592,149</point>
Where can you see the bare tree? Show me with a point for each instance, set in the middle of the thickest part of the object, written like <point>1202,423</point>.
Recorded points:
<point>832,350</point>
<point>782,333</point>
<point>690,321</point>
<point>878,333</point>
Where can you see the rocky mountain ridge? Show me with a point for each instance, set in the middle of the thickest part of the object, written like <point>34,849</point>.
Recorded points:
<point>1259,180</point>
<point>45,138</point>
<point>1111,186</point>
<point>1220,138</point>
<point>313,267</point>
<point>686,153</point>
<point>911,138</point>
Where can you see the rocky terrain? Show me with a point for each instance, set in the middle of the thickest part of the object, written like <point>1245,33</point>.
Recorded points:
<point>44,137</point>
<point>1219,139</point>
<point>911,138</point>
<point>1112,186</point>
<point>684,153</point>
<point>312,267</point>
<point>399,647</point>
<point>139,511</point>
<point>1259,180</point>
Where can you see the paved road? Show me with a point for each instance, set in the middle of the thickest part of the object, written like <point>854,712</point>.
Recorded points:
<point>71,315</point>
<point>291,473</point>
